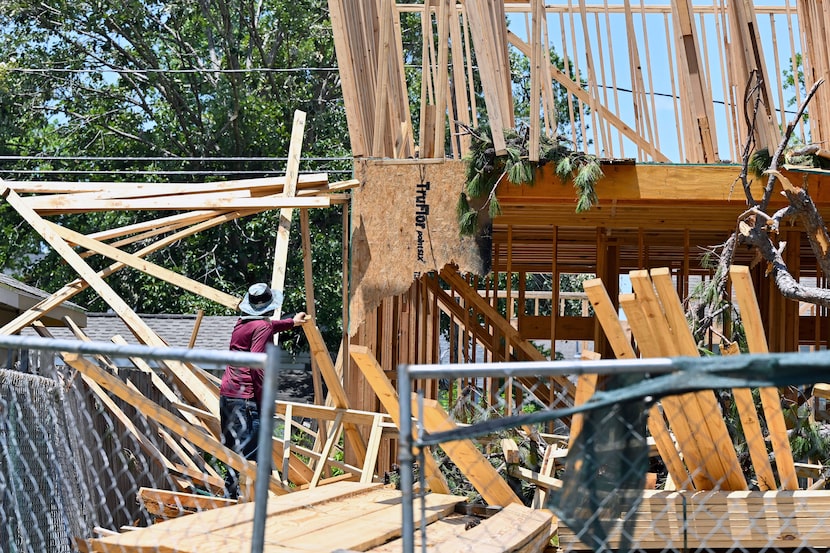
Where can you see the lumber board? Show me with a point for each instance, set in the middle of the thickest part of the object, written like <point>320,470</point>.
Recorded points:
<point>133,321</point>
<point>345,50</point>
<point>606,315</point>
<point>214,484</point>
<point>147,267</point>
<point>690,57</point>
<point>156,226</point>
<point>469,460</point>
<point>334,384</point>
<point>298,473</point>
<point>325,453</point>
<point>167,419</point>
<point>224,201</point>
<point>372,449</point>
<point>541,480</point>
<point>113,190</point>
<point>436,533</point>
<point>187,454</point>
<point>515,528</point>
<point>382,117</point>
<point>753,434</point>
<point>388,396</point>
<point>488,64</point>
<point>325,412</point>
<point>168,503</point>
<point>298,451</point>
<point>289,191</point>
<point>586,385</point>
<point>770,399</point>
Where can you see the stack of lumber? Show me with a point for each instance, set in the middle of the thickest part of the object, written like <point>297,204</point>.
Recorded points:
<point>706,501</point>
<point>340,517</point>
<point>689,430</point>
<point>723,520</point>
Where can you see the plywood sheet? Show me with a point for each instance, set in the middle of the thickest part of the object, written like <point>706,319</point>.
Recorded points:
<point>404,224</point>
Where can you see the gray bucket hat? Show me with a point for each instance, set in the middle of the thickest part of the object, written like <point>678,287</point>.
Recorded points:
<point>260,299</point>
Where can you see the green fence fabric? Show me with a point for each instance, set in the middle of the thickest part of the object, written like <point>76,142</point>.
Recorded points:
<point>605,473</point>
<point>606,466</point>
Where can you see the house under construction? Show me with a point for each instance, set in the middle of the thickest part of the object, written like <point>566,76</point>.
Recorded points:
<point>666,98</point>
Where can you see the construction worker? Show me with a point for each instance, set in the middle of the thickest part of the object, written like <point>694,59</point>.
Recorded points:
<point>240,395</point>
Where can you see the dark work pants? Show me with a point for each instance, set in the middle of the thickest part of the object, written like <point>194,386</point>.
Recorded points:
<point>240,432</point>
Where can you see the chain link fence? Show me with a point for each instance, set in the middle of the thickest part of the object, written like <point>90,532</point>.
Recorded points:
<point>669,454</point>
<point>665,456</point>
<point>85,447</point>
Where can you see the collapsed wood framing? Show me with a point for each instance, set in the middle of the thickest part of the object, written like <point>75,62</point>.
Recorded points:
<point>464,56</point>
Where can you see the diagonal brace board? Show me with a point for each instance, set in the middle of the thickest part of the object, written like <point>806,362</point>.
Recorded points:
<point>388,397</point>
<point>147,267</point>
<point>132,320</point>
<point>169,420</point>
<point>770,399</point>
<point>79,285</point>
<point>334,385</point>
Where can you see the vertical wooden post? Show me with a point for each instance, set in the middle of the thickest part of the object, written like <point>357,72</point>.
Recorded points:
<point>289,190</point>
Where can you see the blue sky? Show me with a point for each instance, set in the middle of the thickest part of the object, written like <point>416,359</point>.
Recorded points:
<point>659,60</point>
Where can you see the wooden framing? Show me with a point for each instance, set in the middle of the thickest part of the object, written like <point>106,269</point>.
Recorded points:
<point>648,220</point>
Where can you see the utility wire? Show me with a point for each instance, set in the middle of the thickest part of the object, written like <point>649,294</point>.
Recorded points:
<point>141,172</point>
<point>48,70</point>
<point>176,159</point>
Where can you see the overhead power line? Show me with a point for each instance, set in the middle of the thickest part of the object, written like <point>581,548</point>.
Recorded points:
<point>150,173</point>
<point>48,70</point>
<point>167,158</point>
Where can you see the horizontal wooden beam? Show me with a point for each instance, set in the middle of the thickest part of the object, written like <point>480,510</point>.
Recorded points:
<point>224,201</point>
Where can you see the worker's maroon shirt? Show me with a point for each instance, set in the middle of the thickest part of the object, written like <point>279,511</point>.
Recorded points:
<point>253,336</point>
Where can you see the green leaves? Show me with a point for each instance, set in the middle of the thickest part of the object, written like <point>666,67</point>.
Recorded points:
<point>485,170</point>
<point>179,82</point>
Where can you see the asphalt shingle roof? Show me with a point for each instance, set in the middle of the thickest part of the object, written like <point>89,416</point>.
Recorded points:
<point>214,331</point>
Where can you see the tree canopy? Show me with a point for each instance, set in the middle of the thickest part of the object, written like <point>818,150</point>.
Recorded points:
<point>173,91</point>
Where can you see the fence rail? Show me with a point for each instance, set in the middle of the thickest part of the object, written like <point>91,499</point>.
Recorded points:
<point>606,479</point>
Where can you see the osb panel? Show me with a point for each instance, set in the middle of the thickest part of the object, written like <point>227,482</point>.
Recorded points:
<point>404,224</point>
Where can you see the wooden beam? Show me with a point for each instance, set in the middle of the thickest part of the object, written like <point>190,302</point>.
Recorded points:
<point>334,384</point>
<point>770,398</point>
<point>291,175</point>
<point>469,460</point>
<point>222,201</point>
<point>146,267</point>
<point>388,397</point>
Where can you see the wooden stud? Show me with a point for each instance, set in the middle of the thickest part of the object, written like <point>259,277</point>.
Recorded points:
<point>291,173</point>
<point>756,340</point>
<point>469,460</point>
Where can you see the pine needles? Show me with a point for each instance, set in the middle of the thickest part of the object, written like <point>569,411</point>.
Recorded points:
<point>485,170</point>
